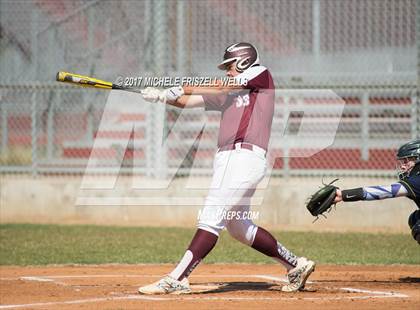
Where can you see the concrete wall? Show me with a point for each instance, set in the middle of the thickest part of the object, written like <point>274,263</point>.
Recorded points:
<point>53,200</point>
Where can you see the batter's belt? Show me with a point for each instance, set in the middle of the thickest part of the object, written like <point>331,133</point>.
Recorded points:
<point>243,145</point>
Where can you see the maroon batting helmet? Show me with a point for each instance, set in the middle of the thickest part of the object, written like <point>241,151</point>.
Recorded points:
<point>245,55</point>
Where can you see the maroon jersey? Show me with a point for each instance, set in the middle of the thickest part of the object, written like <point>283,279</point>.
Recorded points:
<point>246,115</point>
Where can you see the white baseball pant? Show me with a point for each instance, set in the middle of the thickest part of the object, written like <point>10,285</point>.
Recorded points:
<point>236,175</point>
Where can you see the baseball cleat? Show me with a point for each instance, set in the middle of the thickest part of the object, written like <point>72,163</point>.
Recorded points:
<point>298,275</point>
<point>167,285</point>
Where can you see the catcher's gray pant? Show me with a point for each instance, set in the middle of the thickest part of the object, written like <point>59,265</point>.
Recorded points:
<point>236,176</point>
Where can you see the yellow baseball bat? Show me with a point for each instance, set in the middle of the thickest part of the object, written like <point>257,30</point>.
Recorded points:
<point>87,81</point>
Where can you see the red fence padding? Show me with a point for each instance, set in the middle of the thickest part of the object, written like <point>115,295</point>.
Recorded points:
<point>345,159</point>
<point>102,153</point>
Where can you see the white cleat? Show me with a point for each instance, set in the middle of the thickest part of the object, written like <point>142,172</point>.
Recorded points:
<point>167,285</point>
<point>298,275</point>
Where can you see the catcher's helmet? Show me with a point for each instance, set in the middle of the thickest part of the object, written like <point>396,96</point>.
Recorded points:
<point>245,55</point>
<point>409,150</point>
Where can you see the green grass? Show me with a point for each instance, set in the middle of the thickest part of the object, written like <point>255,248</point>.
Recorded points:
<point>26,244</point>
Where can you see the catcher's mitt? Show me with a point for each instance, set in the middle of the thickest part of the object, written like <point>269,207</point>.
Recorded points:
<point>322,200</point>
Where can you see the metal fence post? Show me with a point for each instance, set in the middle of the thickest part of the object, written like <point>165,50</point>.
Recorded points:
<point>91,35</point>
<point>149,141</point>
<point>50,126</point>
<point>180,29</point>
<point>34,43</point>
<point>415,116</point>
<point>4,127</point>
<point>90,128</point>
<point>148,34</point>
<point>286,115</point>
<point>34,134</point>
<point>316,34</point>
<point>159,10</point>
<point>149,130</point>
<point>365,126</point>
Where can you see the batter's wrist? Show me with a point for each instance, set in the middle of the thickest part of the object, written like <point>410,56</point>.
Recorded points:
<point>173,93</point>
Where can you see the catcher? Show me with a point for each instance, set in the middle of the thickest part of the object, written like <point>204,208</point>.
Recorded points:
<point>408,157</point>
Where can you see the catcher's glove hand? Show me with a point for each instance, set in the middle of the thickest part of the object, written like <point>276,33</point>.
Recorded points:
<point>322,200</point>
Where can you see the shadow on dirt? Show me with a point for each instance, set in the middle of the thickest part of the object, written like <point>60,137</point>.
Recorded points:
<point>410,280</point>
<point>238,286</point>
<point>242,286</point>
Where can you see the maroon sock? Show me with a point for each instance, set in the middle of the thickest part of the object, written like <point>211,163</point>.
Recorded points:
<point>201,244</point>
<point>265,243</point>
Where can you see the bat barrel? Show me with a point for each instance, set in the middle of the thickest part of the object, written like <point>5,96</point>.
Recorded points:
<point>67,77</point>
<point>81,80</point>
<point>60,77</point>
<point>87,81</point>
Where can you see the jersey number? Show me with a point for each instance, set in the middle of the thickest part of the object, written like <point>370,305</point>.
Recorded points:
<point>242,101</point>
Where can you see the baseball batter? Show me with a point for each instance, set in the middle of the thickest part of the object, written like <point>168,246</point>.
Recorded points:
<point>247,107</point>
<point>408,157</point>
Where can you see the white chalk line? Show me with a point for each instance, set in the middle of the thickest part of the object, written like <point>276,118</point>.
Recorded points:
<point>149,276</point>
<point>373,294</point>
<point>201,298</point>
<point>384,294</point>
<point>39,279</point>
<point>51,278</point>
<point>265,277</point>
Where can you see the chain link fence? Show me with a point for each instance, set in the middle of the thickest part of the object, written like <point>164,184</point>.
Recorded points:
<point>364,51</point>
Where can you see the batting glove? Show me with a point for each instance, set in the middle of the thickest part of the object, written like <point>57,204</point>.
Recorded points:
<point>173,93</point>
<point>152,94</point>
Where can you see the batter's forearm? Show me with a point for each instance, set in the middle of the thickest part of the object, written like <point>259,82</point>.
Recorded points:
<point>188,102</point>
<point>217,88</point>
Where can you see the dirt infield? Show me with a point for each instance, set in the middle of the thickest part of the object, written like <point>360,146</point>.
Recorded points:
<point>215,286</point>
